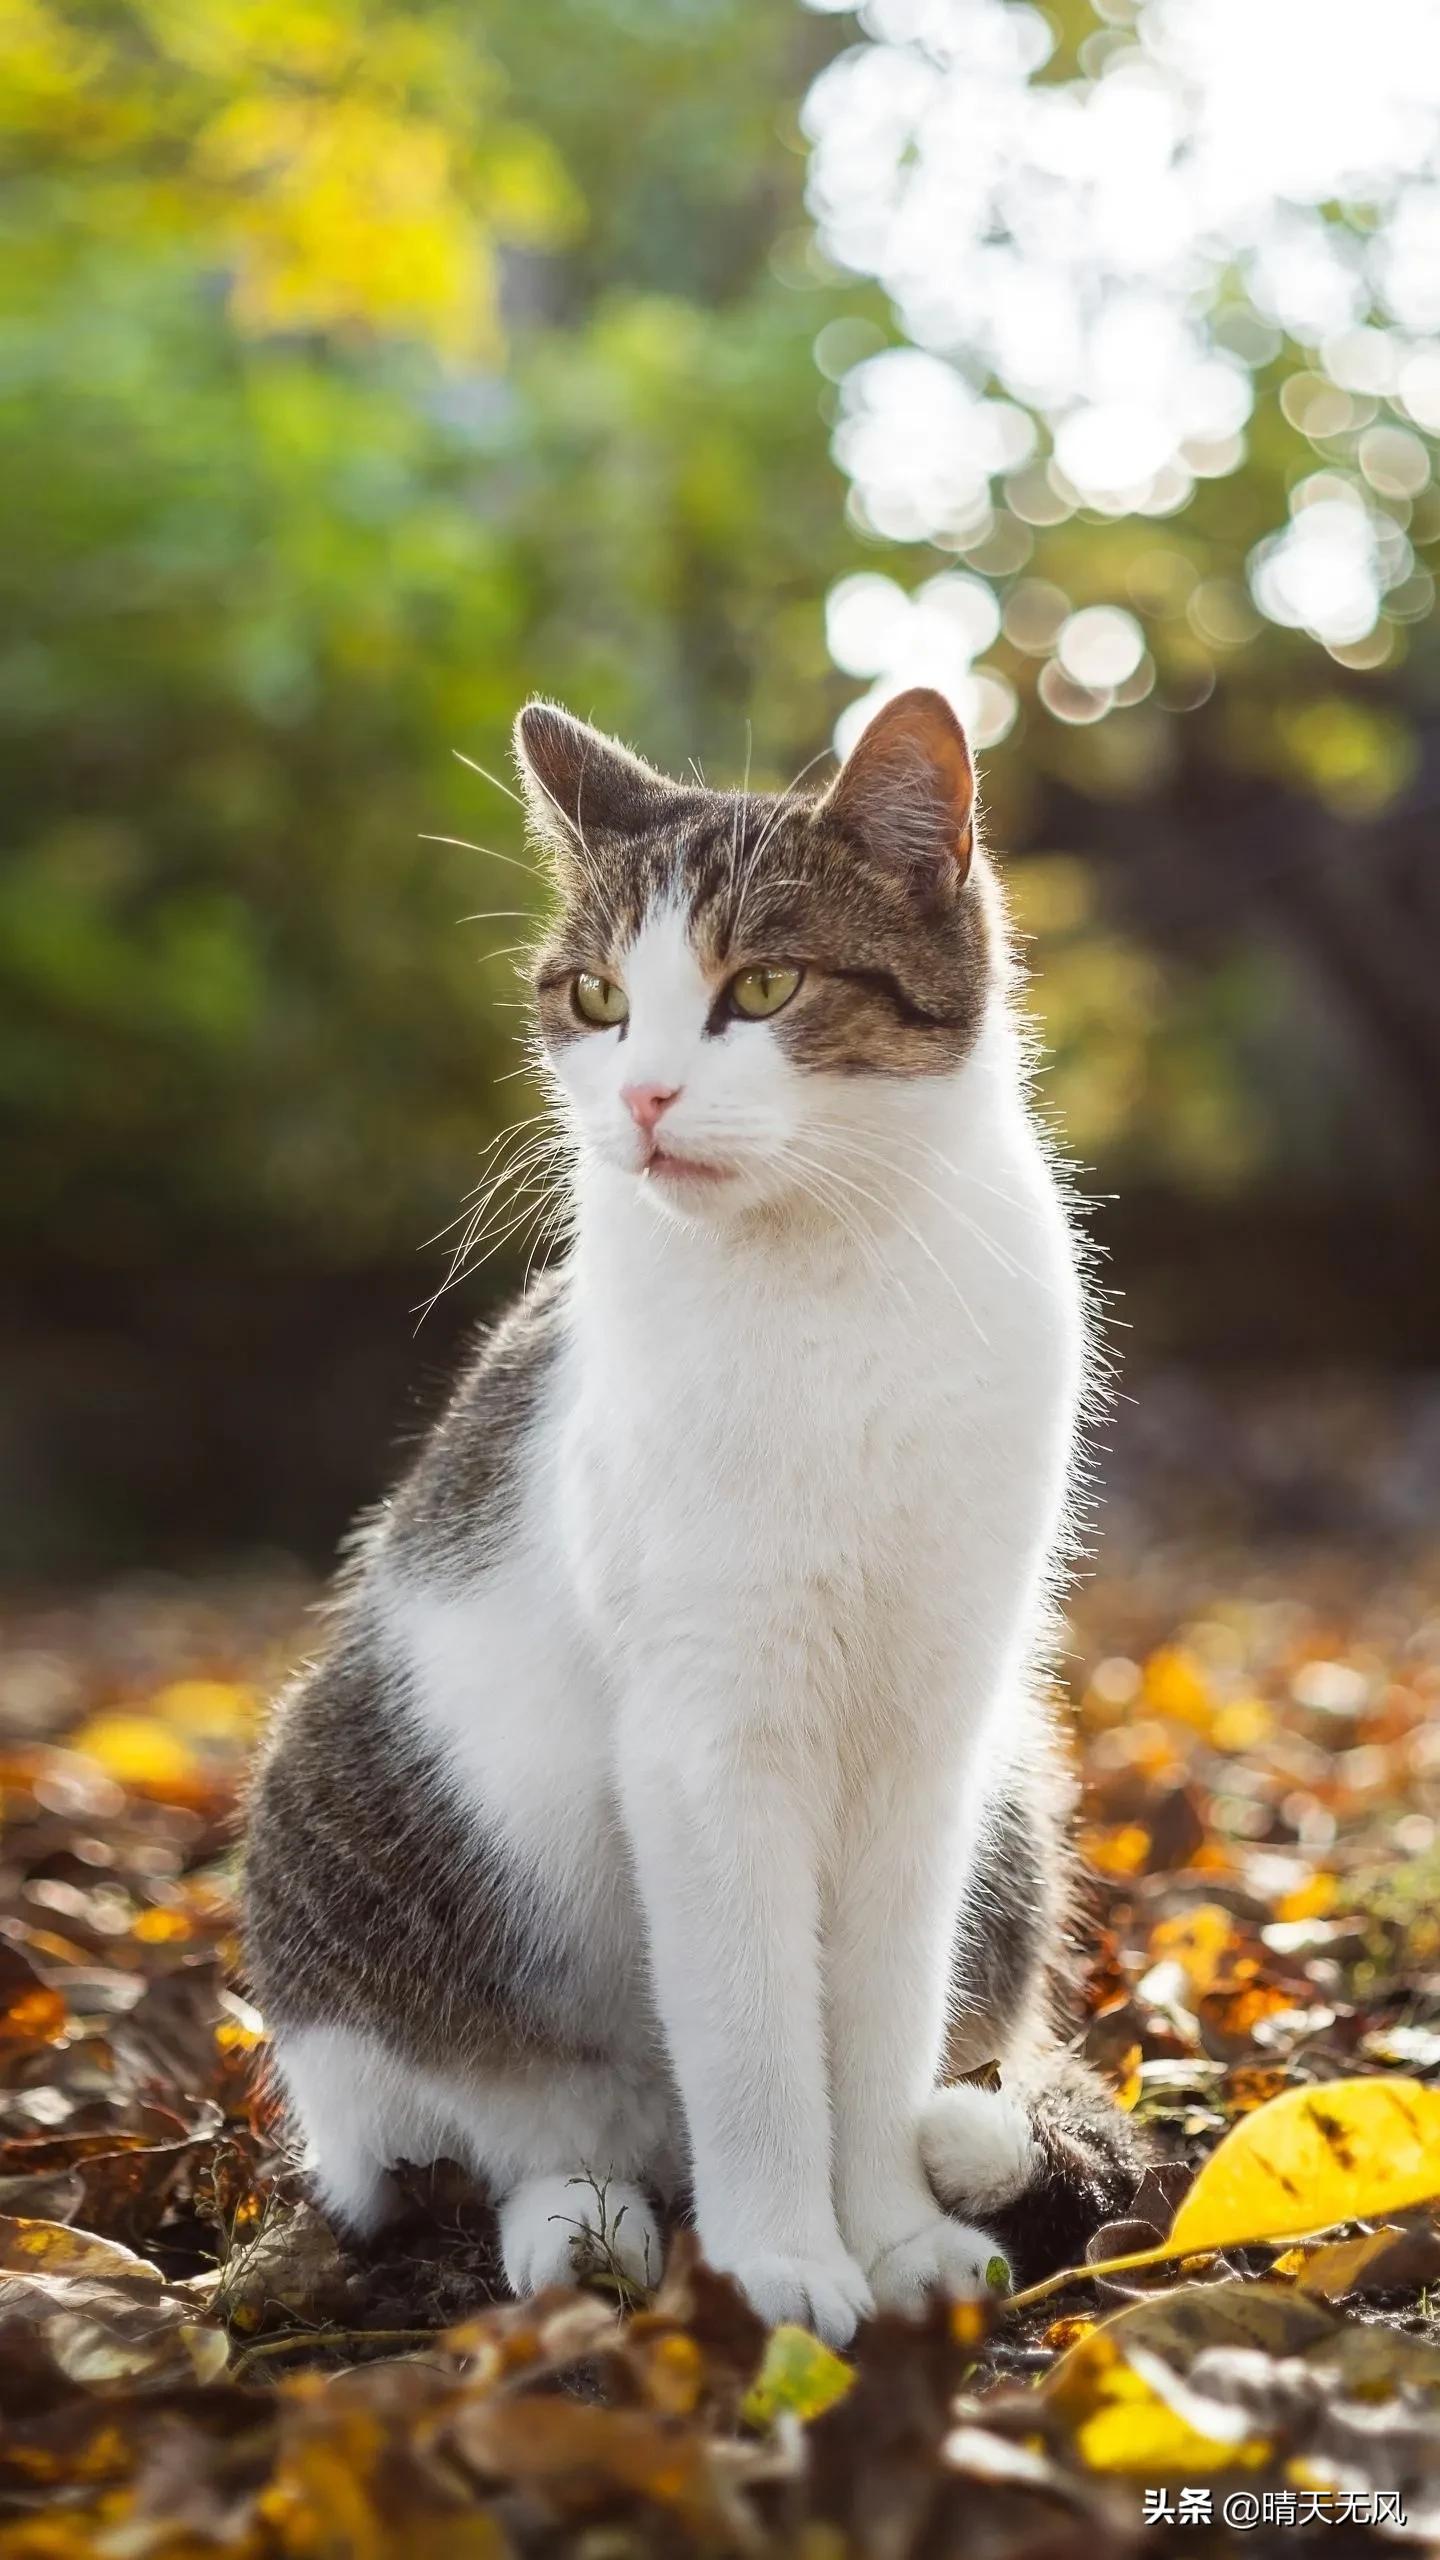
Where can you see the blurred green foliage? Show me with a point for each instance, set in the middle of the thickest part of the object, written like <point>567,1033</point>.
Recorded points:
<point>292,517</point>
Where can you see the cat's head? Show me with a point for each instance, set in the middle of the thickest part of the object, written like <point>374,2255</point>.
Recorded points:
<point>733,982</point>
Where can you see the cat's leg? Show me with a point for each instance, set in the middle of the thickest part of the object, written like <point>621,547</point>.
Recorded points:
<point>1048,2156</point>
<point>890,1929</point>
<point>356,2110</point>
<point>720,1827</point>
<point>571,2149</point>
<point>565,2149</point>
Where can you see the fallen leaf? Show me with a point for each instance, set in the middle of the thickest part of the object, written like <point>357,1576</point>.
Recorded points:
<point>797,2374</point>
<point>1391,2260</point>
<point>1344,2152</point>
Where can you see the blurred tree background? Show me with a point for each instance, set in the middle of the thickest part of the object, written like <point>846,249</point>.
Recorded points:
<point>369,367</point>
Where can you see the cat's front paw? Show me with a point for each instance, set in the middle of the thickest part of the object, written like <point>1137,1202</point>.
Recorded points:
<point>828,2295</point>
<point>941,2257</point>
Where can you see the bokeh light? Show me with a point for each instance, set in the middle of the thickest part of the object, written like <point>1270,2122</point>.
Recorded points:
<point>1092,269</point>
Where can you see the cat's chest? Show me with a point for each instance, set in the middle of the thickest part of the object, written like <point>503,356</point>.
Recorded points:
<point>830,1445</point>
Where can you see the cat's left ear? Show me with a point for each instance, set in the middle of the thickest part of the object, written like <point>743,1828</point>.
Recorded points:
<point>578,782</point>
<point>906,791</point>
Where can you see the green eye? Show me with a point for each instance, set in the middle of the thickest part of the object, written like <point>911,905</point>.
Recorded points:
<point>599,1000</point>
<point>759,992</point>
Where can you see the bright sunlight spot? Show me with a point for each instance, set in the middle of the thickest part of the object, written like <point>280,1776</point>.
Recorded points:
<point>1092,262</point>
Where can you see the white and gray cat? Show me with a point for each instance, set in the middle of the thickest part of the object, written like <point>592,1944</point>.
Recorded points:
<point>673,1807</point>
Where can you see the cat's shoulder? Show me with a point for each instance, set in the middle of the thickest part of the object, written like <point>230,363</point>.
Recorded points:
<point>465,1480</point>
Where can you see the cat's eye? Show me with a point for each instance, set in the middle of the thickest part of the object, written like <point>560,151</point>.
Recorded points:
<point>599,1000</point>
<point>757,993</point>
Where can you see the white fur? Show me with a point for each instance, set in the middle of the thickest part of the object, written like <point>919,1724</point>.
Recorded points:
<point>735,1685</point>
<point>977,2147</point>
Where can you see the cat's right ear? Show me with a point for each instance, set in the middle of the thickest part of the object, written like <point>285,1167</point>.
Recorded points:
<point>578,783</point>
<point>907,789</point>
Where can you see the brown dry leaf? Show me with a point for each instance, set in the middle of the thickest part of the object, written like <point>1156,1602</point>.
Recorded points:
<point>1391,2260</point>
<point>80,2310</point>
<point>291,2268</point>
<point>51,2195</point>
<point>580,2459</point>
<point>31,2011</point>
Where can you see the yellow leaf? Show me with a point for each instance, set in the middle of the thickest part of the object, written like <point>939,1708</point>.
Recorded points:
<point>1136,2433</point>
<point>1120,2395</point>
<point>1311,1900</point>
<point>1198,1940</point>
<point>1119,1851</point>
<point>157,1928</point>
<point>215,1710</point>
<point>1176,1686</point>
<point>798,2374</point>
<point>1350,2150</point>
<point>1241,1724</point>
<point>139,1752</point>
<point>29,2247</point>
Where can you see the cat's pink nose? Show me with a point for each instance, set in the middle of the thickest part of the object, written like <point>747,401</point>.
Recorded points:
<point>645,1102</point>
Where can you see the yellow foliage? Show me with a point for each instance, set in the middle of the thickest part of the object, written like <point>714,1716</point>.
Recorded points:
<point>1311,1900</point>
<point>1119,1851</point>
<point>347,172</point>
<point>1119,2391</point>
<point>139,1751</point>
<point>1175,1685</point>
<point>1198,1940</point>
<point>1349,2150</point>
<point>1350,753</point>
<point>799,2375</point>
<point>215,1710</point>
<point>1132,2429</point>
<point>1241,1724</point>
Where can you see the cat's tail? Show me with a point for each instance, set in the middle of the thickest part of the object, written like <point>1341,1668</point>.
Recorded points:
<point>1041,2162</point>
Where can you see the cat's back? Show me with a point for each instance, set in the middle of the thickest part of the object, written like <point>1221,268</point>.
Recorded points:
<point>391,1757</point>
<point>462,1498</point>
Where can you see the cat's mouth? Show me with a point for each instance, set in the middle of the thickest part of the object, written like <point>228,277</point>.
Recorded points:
<point>663,1165</point>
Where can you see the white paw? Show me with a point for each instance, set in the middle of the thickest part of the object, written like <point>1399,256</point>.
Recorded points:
<point>977,2146</point>
<point>942,2257</point>
<point>828,2295</point>
<point>553,2230</point>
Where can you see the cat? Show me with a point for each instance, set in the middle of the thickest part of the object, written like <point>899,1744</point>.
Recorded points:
<point>674,1812</point>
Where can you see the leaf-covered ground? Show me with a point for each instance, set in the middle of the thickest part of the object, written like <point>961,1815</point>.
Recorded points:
<point>191,2363</point>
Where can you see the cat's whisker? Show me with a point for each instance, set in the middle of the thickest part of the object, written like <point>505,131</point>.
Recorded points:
<point>490,851</point>
<point>513,1130</point>
<point>471,1260</point>
<point>737,817</point>
<point>540,1158</point>
<point>888,1208</point>
<point>556,1227</point>
<point>497,915</point>
<point>851,1225</point>
<point>487,776</point>
<point>503,1169</point>
<point>911,1139</point>
<point>1015,1269</point>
